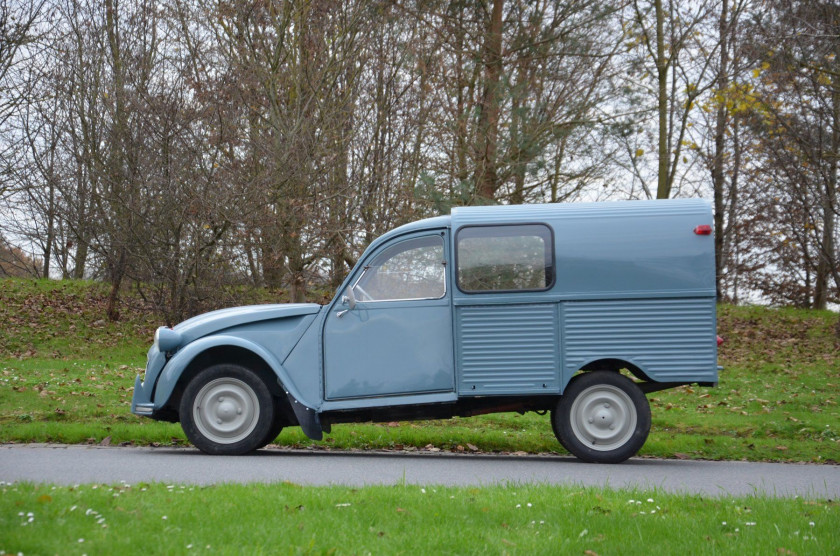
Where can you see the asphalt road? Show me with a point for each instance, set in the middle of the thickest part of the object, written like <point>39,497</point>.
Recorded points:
<point>95,464</point>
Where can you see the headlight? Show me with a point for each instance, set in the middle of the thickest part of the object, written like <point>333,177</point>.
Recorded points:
<point>167,339</point>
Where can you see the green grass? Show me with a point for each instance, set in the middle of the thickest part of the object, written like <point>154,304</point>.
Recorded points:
<point>66,376</point>
<point>403,519</point>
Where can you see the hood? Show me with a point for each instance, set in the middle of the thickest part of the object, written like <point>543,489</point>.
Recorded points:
<point>214,321</point>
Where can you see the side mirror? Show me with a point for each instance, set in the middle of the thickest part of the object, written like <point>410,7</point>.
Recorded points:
<point>348,299</point>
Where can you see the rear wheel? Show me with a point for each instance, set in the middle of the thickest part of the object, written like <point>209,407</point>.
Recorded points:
<point>603,417</point>
<point>227,410</point>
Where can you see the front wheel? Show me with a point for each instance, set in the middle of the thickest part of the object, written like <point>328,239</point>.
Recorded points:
<point>227,410</point>
<point>603,417</point>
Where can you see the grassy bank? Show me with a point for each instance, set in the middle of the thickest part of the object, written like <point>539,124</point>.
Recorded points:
<point>66,376</point>
<point>538,519</point>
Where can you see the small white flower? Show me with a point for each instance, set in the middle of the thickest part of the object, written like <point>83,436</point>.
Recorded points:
<point>811,523</point>
<point>542,522</point>
<point>343,505</point>
<point>723,523</point>
<point>582,533</point>
<point>650,500</point>
<point>631,501</point>
<point>643,513</point>
<point>519,505</point>
<point>73,508</point>
<point>30,520</point>
<point>529,504</point>
<point>81,540</point>
<point>736,529</point>
<point>638,502</point>
<point>30,514</point>
<point>750,523</point>
<point>164,517</point>
<point>423,490</point>
<point>189,546</point>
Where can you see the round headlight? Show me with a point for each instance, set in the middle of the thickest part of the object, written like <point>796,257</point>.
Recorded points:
<point>167,339</point>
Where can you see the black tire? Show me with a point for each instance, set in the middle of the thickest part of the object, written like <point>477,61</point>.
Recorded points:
<point>227,410</point>
<point>276,427</point>
<point>602,417</point>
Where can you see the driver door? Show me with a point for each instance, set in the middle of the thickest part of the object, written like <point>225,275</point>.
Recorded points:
<point>397,340</point>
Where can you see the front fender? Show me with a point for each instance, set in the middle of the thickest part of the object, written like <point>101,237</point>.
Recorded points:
<point>175,367</point>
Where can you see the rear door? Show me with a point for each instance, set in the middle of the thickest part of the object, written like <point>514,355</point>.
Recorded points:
<point>507,324</point>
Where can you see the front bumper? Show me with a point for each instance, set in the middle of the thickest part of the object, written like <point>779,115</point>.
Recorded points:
<point>142,402</point>
<point>139,407</point>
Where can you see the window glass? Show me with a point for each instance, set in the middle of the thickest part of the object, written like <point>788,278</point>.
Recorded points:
<point>504,258</point>
<point>412,269</point>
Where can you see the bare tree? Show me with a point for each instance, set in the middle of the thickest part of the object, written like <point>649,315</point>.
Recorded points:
<point>672,70</point>
<point>796,117</point>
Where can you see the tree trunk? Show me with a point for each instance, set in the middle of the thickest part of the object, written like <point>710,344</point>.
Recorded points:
<point>663,190</point>
<point>717,164</point>
<point>486,178</point>
<point>827,267</point>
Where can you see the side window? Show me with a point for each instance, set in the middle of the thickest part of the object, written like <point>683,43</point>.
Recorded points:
<point>505,258</point>
<point>412,269</point>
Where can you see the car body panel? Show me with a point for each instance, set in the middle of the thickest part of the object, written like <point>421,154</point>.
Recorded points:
<point>390,347</point>
<point>215,321</point>
<point>168,379</point>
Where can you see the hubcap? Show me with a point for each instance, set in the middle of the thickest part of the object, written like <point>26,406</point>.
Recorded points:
<point>603,417</point>
<point>226,410</point>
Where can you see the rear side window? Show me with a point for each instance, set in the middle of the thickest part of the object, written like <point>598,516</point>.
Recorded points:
<point>505,258</point>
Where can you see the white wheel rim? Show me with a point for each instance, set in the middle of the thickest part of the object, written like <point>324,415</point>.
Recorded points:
<point>226,410</point>
<point>603,417</point>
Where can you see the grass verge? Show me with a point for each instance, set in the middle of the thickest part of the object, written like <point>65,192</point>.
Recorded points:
<point>66,375</point>
<point>262,519</point>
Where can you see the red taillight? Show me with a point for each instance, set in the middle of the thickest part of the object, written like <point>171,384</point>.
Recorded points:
<point>719,340</point>
<point>704,230</point>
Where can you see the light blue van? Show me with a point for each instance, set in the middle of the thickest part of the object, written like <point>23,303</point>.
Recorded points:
<point>489,309</point>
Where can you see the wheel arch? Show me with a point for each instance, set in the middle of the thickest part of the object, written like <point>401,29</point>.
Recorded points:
<point>615,364</point>
<point>222,354</point>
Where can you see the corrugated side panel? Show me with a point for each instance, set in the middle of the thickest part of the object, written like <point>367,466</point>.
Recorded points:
<point>508,349</point>
<point>670,339</point>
